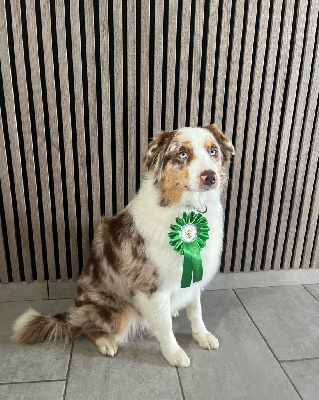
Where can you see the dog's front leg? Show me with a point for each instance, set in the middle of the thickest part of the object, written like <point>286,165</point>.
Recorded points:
<point>157,313</point>
<point>194,313</point>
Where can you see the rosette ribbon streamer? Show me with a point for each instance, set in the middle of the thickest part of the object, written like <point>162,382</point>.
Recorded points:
<point>188,237</point>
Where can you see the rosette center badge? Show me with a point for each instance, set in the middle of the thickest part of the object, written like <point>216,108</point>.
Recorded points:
<point>188,233</point>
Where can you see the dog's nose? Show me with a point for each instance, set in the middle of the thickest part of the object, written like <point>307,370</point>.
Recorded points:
<point>208,177</point>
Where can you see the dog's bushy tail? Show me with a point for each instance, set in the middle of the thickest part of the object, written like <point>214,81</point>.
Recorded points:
<point>33,327</point>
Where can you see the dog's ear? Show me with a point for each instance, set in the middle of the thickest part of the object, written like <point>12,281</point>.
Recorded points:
<point>156,150</point>
<point>225,144</point>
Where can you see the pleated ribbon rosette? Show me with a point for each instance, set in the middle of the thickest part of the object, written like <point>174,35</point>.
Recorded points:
<point>188,237</point>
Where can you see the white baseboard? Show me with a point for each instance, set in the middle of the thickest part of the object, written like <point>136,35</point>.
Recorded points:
<point>264,279</point>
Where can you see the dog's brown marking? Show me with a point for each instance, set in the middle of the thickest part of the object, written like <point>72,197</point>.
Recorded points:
<point>138,249</point>
<point>90,260</point>
<point>173,183</point>
<point>111,257</point>
<point>171,173</point>
<point>157,148</point>
<point>164,202</point>
<point>124,320</point>
<point>170,170</point>
<point>213,144</point>
<point>153,289</point>
<point>79,290</point>
<point>105,313</point>
<point>39,328</point>
<point>224,143</point>
<point>173,154</point>
<point>119,227</point>
<point>116,268</point>
<point>226,150</point>
<point>60,317</point>
<point>94,336</point>
<point>92,266</point>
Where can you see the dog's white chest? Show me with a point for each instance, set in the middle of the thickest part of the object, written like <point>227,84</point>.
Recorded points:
<point>170,262</point>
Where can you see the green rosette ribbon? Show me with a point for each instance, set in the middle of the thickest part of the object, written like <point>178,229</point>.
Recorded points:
<point>188,237</point>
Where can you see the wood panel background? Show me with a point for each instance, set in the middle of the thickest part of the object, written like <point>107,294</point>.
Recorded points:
<point>85,84</point>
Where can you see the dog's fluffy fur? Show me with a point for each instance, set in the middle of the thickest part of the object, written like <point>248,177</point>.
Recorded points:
<point>132,275</point>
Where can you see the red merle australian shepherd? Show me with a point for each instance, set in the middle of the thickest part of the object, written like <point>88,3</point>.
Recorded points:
<point>132,277</point>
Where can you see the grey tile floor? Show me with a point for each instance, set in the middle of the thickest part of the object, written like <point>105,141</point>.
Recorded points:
<point>268,350</point>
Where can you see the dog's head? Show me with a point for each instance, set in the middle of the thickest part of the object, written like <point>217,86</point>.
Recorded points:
<point>189,159</point>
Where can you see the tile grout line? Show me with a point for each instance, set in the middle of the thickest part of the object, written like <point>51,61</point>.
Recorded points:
<point>21,301</point>
<point>22,382</point>
<point>262,336</point>
<point>260,287</point>
<point>180,384</point>
<point>299,359</point>
<point>68,371</point>
<point>309,292</point>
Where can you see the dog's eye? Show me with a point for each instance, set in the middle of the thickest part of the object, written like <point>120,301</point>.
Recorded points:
<point>183,154</point>
<point>212,152</point>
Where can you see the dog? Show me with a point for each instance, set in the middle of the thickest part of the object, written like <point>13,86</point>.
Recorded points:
<point>132,276</point>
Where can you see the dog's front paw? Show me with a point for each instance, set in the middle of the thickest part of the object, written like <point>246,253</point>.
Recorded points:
<point>177,359</point>
<point>206,340</point>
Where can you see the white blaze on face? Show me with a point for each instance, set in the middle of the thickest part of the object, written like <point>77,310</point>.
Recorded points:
<point>202,160</point>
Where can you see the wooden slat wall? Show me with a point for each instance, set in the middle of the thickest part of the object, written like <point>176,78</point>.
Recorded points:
<point>85,85</point>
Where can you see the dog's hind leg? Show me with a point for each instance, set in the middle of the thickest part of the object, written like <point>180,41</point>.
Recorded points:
<point>105,343</point>
<point>104,326</point>
<point>175,314</point>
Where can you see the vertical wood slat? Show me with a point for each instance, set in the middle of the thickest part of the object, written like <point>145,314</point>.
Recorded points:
<point>93,129</point>
<point>302,234</point>
<point>27,139</point>
<point>315,252</point>
<point>251,132</point>
<point>229,102</point>
<point>67,133</point>
<point>247,61</point>
<point>310,212</point>
<point>196,62</point>
<point>3,263</point>
<point>54,136</point>
<point>131,87</point>
<point>79,116</point>
<point>262,135</point>
<point>171,61</point>
<point>210,61</point>
<point>297,183</point>
<point>273,134</point>
<point>144,85</point>
<point>14,145</point>
<point>158,65</point>
<point>311,245</point>
<point>40,133</point>
<point>283,149</point>
<point>183,66</point>
<point>222,62</point>
<point>7,203</point>
<point>234,69</point>
<point>118,85</point>
<point>106,109</point>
